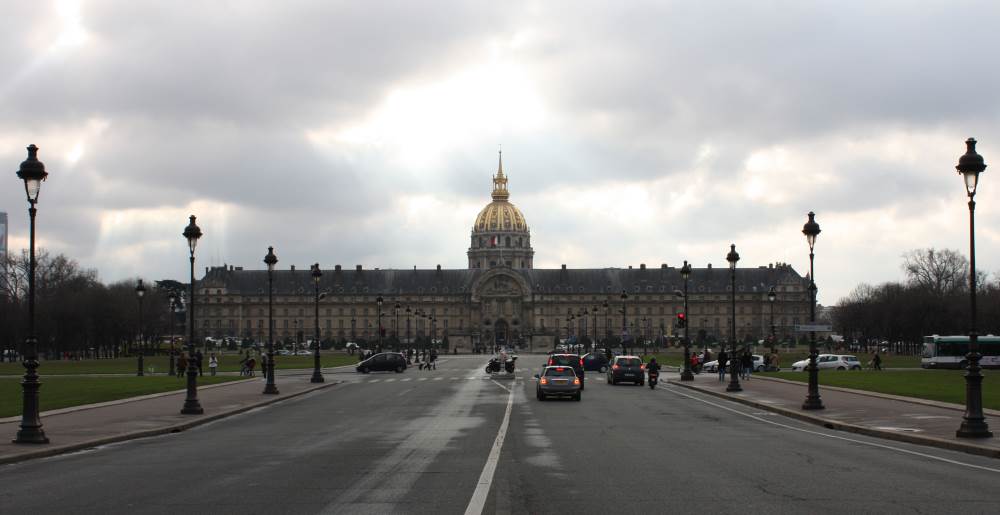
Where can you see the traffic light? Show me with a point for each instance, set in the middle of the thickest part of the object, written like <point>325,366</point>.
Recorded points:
<point>681,321</point>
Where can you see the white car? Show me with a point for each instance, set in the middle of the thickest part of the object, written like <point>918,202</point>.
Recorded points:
<point>758,364</point>
<point>830,361</point>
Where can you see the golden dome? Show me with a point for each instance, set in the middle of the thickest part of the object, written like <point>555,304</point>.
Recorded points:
<point>500,215</point>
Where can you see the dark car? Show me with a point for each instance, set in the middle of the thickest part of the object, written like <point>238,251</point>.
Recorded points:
<point>558,382</point>
<point>573,361</point>
<point>595,361</point>
<point>383,362</point>
<point>627,369</point>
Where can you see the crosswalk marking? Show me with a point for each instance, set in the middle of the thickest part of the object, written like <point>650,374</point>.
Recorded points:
<point>389,380</point>
<point>404,380</point>
<point>438,378</point>
<point>422,379</point>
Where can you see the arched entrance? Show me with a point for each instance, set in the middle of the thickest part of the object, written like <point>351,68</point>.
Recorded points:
<point>501,334</point>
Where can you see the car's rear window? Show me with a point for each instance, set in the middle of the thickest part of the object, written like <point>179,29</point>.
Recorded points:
<point>850,358</point>
<point>564,360</point>
<point>630,362</point>
<point>560,371</point>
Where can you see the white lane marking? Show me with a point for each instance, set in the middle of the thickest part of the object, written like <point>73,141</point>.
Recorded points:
<point>390,380</point>
<point>404,392</point>
<point>422,379</point>
<point>501,386</point>
<point>374,380</point>
<point>478,501</point>
<point>405,380</point>
<point>835,437</point>
<point>438,378</point>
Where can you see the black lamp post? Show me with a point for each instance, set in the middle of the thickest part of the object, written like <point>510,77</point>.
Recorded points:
<point>811,230</point>
<point>642,331</point>
<point>33,173</point>
<point>593,343</point>
<point>270,260</point>
<point>409,322</point>
<point>686,375</point>
<point>395,325</point>
<point>191,404</point>
<point>140,291</point>
<point>172,302</point>
<point>607,326</point>
<point>354,332</point>
<point>771,297</point>
<point>734,380</point>
<point>970,165</point>
<point>378,320</point>
<point>317,376</point>
<point>624,326</point>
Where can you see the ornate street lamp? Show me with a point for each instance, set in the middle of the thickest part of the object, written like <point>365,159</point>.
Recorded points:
<point>172,302</point>
<point>593,343</point>
<point>140,291</point>
<point>624,326</point>
<point>686,375</point>
<point>191,404</point>
<point>378,320</point>
<point>395,325</point>
<point>771,297</point>
<point>734,380</point>
<point>317,376</point>
<point>970,165</point>
<point>33,173</point>
<point>811,230</point>
<point>270,260</point>
<point>607,326</point>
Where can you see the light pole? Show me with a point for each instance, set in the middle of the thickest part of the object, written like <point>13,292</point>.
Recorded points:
<point>395,325</point>
<point>172,301</point>
<point>642,331</point>
<point>607,327</point>
<point>378,320</point>
<point>686,375</point>
<point>970,165</point>
<point>771,297</point>
<point>624,327</point>
<point>270,260</point>
<point>593,346</point>
<point>140,291</point>
<point>33,173</point>
<point>811,230</point>
<point>317,376</point>
<point>734,380</point>
<point>191,404</point>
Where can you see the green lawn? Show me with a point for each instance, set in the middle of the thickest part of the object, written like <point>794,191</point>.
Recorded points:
<point>61,392</point>
<point>938,385</point>
<point>227,363</point>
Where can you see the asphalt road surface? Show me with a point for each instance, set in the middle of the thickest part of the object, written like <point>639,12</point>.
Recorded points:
<point>454,440</point>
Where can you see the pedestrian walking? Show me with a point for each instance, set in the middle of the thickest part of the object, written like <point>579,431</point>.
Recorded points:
<point>877,361</point>
<point>721,365</point>
<point>747,368</point>
<point>198,361</point>
<point>434,357</point>
<point>251,364</point>
<point>182,364</point>
<point>213,363</point>
<point>263,365</point>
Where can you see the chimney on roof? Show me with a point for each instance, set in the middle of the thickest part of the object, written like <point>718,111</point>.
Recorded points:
<point>439,268</point>
<point>293,268</point>
<point>564,266</point>
<point>337,268</point>
<point>357,268</point>
<point>642,266</point>
<point>710,266</point>
<point>663,265</point>
<point>630,267</point>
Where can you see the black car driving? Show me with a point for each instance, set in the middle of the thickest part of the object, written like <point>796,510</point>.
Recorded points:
<point>383,362</point>
<point>627,369</point>
<point>573,361</point>
<point>595,361</point>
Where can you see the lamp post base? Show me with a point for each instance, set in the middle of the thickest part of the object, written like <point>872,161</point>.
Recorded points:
<point>317,377</point>
<point>31,424</point>
<point>734,383</point>
<point>973,422</point>
<point>687,375</point>
<point>813,403</point>
<point>974,429</point>
<point>191,404</point>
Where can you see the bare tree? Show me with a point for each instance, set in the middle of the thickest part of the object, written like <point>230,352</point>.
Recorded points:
<point>939,272</point>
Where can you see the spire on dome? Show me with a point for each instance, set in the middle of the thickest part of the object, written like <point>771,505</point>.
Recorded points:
<point>500,181</point>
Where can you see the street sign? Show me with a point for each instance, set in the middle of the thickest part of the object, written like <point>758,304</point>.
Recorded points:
<point>819,328</point>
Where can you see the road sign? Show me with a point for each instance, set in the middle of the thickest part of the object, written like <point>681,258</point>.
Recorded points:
<point>819,328</point>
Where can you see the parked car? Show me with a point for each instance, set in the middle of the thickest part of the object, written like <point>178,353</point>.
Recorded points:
<point>595,361</point>
<point>830,361</point>
<point>628,369</point>
<point>573,361</point>
<point>758,364</point>
<point>383,362</point>
<point>304,353</point>
<point>558,381</point>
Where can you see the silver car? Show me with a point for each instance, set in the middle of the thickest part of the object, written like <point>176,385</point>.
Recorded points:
<point>557,381</point>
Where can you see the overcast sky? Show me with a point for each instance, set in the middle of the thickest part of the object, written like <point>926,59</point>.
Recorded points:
<point>367,132</point>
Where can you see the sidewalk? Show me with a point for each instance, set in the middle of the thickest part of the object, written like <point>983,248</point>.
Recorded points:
<point>885,416</point>
<point>82,427</point>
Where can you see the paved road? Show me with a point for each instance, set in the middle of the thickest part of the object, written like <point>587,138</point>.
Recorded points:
<point>419,441</point>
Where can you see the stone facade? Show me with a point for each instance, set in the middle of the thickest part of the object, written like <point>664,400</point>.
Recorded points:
<point>500,298</point>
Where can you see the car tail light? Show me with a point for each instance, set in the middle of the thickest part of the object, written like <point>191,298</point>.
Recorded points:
<point>559,369</point>
<point>581,362</point>
<point>552,361</point>
<point>543,381</point>
<point>615,367</point>
<point>642,367</point>
<point>576,381</point>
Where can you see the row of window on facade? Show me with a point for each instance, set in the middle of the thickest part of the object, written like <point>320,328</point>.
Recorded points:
<point>327,324</point>
<point>506,241</point>
<point>580,324</point>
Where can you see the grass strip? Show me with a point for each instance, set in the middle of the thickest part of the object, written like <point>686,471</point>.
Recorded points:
<point>63,392</point>
<point>935,385</point>
<point>160,364</point>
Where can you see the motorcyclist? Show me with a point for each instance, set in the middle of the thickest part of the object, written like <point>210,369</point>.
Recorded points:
<point>653,367</point>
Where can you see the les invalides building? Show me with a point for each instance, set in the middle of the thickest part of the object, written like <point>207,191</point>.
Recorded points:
<point>500,298</point>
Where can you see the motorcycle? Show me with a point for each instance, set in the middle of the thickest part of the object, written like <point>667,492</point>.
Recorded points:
<point>509,365</point>
<point>493,366</point>
<point>654,376</point>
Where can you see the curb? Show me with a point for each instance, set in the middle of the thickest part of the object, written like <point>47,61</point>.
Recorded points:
<point>880,395</point>
<point>929,441</point>
<point>175,428</point>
